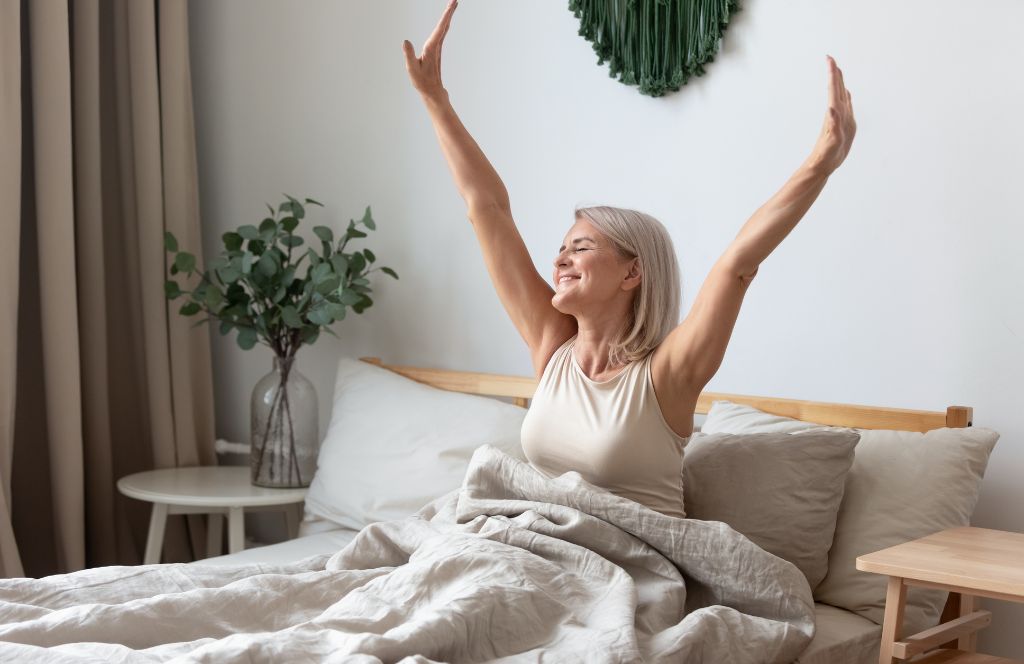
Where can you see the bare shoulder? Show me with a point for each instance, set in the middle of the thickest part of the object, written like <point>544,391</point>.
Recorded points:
<point>550,341</point>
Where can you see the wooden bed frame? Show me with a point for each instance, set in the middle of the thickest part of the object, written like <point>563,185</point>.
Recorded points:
<point>520,389</point>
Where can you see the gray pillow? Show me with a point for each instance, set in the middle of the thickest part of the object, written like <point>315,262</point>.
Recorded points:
<point>780,490</point>
<point>903,485</point>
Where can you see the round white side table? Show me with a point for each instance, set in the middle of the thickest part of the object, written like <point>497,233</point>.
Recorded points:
<point>213,490</point>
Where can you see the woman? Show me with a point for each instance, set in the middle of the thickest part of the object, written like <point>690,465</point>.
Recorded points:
<point>618,378</point>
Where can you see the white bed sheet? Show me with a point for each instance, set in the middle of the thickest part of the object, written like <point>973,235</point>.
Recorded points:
<point>841,637</point>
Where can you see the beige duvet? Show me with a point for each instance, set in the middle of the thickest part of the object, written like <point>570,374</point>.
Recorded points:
<point>513,567</point>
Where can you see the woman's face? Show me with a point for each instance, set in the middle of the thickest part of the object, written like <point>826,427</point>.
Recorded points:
<point>589,271</point>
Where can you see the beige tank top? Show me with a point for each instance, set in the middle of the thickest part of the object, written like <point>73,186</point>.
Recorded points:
<point>611,432</point>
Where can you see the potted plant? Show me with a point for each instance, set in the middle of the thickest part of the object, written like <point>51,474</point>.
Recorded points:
<point>259,287</point>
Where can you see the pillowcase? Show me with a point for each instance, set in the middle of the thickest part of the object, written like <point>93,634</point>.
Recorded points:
<point>902,486</point>
<point>781,491</point>
<point>394,444</point>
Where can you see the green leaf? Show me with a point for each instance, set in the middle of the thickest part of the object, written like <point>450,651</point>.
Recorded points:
<point>340,264</point>
<point>350,297</point>
<point>324,233</point>
<point>280,293</point>
<point>361,281</point>
<point>271,208</point>
<point>268,228</point>
<point>319,315</point>
<point>356,263</point>
<point>185,262</point>
<point>310,201</point>
<point>214,299</point>
<point>249,232</point>
<point>291,317</point>
<point>297,209</point>
<point>229,275</point>
<point>174,269</point>
<point>368,220</point>
<point>354,233</point>
<point>387,270</point>
<point>369,255</point>
<point>320,272</point>
<point>219,263</point>
<point>189,309</point>
<point>170,242</point>
<point>361,289</point>
<point>286,206</point>
<point>309,334</point>
<point>291,240</point>
<point>247,262</point>
<point>257,247</point>
<point>232,241</point>
<point>288,224</point>
<point>226,326</point>
<point>171,289</point>
<point>246,337</point>
<point>329,284</point>
<point>289,276</point>
<point>266,265</point>
<point>337,311</point>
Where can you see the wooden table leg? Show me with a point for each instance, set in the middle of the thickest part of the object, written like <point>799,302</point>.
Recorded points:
<point>292,516</point>
<point>892,626</point>
<point>236,529</point>
<point>968,604</point>
<point>155,539</point>
<point>214,533</point>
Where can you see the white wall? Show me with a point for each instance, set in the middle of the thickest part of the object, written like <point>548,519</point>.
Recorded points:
<point>901,287</point>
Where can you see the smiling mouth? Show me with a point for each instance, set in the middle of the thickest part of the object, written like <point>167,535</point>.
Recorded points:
<point>567,278</point>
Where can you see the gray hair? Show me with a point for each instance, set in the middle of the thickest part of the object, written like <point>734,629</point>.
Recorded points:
<point>656,307</point>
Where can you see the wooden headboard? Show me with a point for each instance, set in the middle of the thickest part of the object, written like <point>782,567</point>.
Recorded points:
<point>520,389</point>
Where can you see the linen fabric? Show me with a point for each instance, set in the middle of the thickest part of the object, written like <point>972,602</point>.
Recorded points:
<point>611,432</point>
<point>902,485</point>
<point>99,376</point>
<point>393,444</point>
<point>781,491</point>
<point>515,565</point>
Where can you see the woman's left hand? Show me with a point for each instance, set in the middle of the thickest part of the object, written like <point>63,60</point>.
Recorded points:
<point>839,128</point>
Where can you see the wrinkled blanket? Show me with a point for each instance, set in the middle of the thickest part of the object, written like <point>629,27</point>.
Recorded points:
<point>514,566</point>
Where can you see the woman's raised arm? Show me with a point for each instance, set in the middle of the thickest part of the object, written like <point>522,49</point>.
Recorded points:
<point>694,350</point>
<point>525,295</point>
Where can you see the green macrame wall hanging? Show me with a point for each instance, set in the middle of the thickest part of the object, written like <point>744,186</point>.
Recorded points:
<point>657,45</point>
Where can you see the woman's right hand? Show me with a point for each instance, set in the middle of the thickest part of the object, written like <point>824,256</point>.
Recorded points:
<point>425,70</point>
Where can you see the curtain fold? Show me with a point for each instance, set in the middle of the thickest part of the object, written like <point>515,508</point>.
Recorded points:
<point>10,194</point>
<point>98,376</point>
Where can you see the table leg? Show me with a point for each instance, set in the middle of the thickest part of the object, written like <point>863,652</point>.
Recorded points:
<point>291,519</point>
<point>968,604</point>
<point>892,626</point>
<point>214,532</point>
<point>155,539</point>
<point>236,529</point>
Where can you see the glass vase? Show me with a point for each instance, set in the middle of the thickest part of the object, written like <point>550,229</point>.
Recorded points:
<point>284,435</point>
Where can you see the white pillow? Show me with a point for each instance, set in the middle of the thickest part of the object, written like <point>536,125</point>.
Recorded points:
<point>902,486</point>
<point>393,444</point>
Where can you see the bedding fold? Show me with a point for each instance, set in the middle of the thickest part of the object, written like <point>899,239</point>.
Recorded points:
<point>514,566</point>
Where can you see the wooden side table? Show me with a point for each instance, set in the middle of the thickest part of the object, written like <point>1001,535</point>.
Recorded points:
<point>213,490</point>
<point>974,562</point>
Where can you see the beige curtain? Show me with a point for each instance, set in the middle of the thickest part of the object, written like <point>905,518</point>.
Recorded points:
<point>99,378</point>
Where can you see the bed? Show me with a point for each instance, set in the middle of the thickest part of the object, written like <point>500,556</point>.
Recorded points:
<point>349,519</point>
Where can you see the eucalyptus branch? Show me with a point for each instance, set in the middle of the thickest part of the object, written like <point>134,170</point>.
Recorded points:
<point>269,301</point>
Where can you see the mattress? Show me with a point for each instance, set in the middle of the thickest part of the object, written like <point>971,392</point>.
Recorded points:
<point>842,637</point>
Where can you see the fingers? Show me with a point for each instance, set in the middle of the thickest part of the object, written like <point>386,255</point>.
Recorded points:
<point>410,53</point>
<point>441,29</point>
